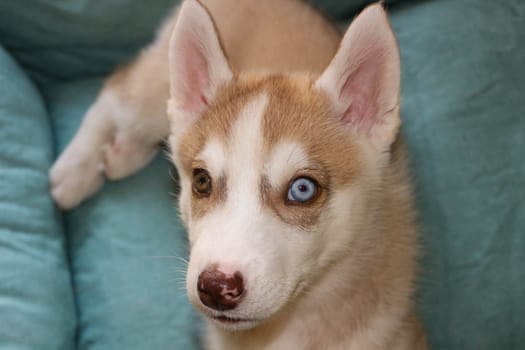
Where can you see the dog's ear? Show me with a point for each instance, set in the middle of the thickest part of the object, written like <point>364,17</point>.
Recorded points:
<point>363,79</point>
<point>198,65</point>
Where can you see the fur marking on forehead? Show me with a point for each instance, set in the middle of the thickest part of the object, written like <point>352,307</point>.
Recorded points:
<point>245,135</point>
<point>288,110</point>
<point>213,155</point>
<point>285,158</point>
<point>246,153</point>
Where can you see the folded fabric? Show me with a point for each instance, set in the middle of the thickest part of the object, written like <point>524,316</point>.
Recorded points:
<point>37,310</point>
<point>464,83</point>
<point>127,249</point>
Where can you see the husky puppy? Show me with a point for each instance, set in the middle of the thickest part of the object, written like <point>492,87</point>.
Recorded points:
<point>294,184</point>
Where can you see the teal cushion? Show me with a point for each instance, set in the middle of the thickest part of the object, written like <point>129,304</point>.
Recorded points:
<point>127,249</point>
<point>464,119</point>
<point>60,40</point>
<point>37,309</point>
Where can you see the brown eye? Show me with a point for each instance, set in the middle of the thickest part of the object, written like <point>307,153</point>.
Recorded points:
<point>201,182</point>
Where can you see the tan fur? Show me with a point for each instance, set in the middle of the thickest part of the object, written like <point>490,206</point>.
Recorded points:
<point>309,44</point>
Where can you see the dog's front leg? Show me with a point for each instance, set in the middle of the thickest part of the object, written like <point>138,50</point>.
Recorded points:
<point>121,131</point>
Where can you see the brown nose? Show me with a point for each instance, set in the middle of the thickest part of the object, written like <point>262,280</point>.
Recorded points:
<point>218,290</point>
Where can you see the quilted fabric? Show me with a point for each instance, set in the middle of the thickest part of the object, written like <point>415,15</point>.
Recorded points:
<point>37,310</point>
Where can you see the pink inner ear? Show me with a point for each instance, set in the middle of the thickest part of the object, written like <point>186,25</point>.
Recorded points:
<point>362,89</point>
<point>196,76</point>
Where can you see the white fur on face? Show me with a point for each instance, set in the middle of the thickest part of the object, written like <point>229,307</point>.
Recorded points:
<point>239,235</point>
<point>225,235</point>
<point>245,156</point>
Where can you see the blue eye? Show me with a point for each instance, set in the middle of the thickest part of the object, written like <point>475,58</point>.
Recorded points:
<point>302,190</point>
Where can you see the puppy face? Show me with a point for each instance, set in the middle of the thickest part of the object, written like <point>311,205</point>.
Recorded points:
<point>272,188</point>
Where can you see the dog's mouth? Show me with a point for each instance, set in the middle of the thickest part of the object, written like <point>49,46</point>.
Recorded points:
<point>226,319</point>
<point>234,323</point>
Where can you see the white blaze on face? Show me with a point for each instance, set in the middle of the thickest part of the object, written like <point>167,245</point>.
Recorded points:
<point>245,157</point>
<point>227,234</point>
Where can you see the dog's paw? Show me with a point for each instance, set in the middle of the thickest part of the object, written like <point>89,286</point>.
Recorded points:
<point>75,177</point>
<point>126,155</point>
